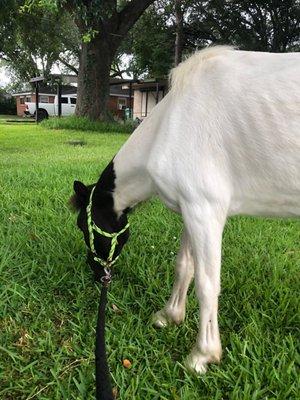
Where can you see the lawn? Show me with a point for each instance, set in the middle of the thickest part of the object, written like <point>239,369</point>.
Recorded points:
<point>48,300</point>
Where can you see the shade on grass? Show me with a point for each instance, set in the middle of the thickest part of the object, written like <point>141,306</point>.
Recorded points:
<point>48,300</point>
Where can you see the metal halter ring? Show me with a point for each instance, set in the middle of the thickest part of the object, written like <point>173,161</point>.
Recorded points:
<point>106,278</point>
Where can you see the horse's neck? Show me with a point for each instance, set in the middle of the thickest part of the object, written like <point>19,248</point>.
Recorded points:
<point>133,183</point>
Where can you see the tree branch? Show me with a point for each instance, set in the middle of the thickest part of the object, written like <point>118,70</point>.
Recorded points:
<point>68,65</point>
<point>128,16</point>
<point>118,73</point>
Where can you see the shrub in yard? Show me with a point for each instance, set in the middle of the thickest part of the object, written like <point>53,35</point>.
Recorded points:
<point>7,104</point>
<point>85,124</point>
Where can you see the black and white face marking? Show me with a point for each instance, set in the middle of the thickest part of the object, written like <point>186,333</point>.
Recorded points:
<point>103,215</point>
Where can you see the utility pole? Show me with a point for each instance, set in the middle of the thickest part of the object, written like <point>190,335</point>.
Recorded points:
<point>36,80</point>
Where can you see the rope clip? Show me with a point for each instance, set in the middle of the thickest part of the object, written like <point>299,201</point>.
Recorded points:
<point>106,278</point>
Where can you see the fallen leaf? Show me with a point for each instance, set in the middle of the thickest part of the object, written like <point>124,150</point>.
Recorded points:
<point>126,363</point>
<point>116,309</point>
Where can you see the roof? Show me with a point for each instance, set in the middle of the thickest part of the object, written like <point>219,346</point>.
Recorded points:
<point>115,90</point>
<point>43,89</point>
<point>150,85</point>
<point>118,87</point>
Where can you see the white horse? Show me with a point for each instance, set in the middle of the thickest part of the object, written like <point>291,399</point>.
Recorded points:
<point>224,141</point>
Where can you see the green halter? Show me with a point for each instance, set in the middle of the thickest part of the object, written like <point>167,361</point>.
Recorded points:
<point>114,237</point>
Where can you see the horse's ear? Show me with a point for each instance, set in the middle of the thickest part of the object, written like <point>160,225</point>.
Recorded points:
<point>80,189</point>
<point>81,197</point>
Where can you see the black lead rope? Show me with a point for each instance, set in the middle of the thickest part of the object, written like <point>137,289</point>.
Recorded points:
<point>103,384</point>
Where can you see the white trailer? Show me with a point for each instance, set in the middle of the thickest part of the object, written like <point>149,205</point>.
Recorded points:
<point>46,109</point>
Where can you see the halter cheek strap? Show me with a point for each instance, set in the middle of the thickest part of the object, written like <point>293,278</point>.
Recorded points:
<point>113,236</point>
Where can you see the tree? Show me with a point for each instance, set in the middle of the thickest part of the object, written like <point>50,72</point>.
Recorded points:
<point>151,43</point>
<point>103,26</point>
<point>26,45</point>
<point>179,13</point>
<point>157,42</point>
<point>7,103</point>
<point>261,25</point>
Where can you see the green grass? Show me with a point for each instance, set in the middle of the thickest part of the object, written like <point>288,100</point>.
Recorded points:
<point>85,124</point>
<point>48,300</point>
<point>4,117</point>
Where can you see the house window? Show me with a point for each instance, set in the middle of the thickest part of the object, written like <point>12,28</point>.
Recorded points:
<point>28,99</point>
<point>22,100</point>
<point>121,103</point>
<point>64,100</point>
<point>43,99</point>
<point>73,100</point>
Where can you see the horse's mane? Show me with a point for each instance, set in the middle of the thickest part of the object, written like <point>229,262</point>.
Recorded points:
<point>180,76</point>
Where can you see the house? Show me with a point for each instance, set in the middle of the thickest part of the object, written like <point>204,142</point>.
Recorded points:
<point>138,95</point>
<point>119,97</point>
<point>147,93</point>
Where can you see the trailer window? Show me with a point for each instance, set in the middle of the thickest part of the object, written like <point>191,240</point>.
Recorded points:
<point>73,100</point>
<point>43,99</point>
<point>64,100</point>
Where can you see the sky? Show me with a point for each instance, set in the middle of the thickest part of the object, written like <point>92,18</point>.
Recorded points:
<point>4,78</point>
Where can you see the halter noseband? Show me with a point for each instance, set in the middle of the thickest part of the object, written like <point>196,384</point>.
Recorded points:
<point>114,238</point>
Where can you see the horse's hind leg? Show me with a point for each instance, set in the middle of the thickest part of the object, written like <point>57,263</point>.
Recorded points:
<point>174,310</point>
<point>205,226</point>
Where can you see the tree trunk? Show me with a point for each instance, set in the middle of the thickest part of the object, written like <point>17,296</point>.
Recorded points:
<point>96,56</point>
<point>93,79</point>
<point>179,32</point>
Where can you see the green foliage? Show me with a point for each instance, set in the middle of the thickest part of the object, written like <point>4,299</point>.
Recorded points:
<point>89,35</point>
<point>264,25</point>
<point>260,25</point>
<point>88,14</point>
<point>85,124</point>
<point>7,105</point>
<point>151,42</point>
<point>44,5</point>
<point>48,301</point>
<point>32,38</point>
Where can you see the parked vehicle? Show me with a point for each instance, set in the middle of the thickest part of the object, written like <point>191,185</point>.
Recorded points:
<point>46,109</point>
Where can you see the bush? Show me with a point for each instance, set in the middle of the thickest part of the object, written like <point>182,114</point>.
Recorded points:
<point>8,106</point>
<point>85,124</point>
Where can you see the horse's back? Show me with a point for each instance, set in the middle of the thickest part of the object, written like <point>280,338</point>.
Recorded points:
<point>231,124</point>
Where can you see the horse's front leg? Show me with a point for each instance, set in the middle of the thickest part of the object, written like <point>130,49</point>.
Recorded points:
<point>174,310</point>
<point>205,226</point>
